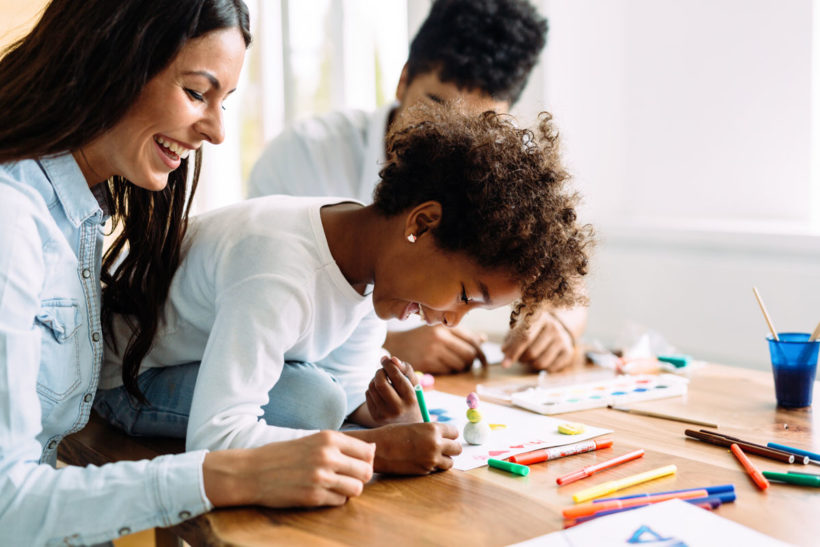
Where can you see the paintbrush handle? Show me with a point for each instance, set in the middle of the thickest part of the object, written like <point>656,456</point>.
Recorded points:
<point>766,314</point>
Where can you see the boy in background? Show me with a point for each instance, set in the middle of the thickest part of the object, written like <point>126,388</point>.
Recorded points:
<point>472,54</point>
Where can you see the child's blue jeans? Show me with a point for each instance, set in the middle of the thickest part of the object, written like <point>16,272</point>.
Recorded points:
<point>305,397</point>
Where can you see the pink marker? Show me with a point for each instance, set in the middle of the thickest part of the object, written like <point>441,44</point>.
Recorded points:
<point>590,469</point>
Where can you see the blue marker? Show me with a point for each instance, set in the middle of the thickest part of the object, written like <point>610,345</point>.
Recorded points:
<point>814,458</point>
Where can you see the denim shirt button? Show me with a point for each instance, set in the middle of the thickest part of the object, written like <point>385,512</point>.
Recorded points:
<point>95,336</point>
<point>124,531</point>
<point>87,398</point>
<point>86,273</point>
<point>184,515</point>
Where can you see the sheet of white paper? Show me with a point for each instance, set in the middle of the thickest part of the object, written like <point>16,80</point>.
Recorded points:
<point>673,523</point>
<point>524,430</point>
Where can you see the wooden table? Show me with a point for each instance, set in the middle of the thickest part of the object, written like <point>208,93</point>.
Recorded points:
<point>490,507</point>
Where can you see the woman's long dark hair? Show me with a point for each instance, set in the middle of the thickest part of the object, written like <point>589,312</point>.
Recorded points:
<point>71,79</point>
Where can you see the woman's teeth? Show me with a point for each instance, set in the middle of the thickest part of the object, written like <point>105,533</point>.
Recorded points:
<point>180,151</point>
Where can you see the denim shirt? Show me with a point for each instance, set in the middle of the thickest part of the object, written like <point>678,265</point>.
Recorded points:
<point>51,236</point>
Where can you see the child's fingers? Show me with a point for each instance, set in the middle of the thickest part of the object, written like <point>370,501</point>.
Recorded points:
<point>401,382</point>
<point>448,431</point>
<point>374,400</point>
<point>386,391</point>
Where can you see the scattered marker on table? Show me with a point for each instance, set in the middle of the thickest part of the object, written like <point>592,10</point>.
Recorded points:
<point>511,467</point>
<point>794,478</point>
<point>750,468</point>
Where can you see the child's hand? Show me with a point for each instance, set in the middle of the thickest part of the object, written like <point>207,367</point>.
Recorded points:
<point>412,449</point>
<point>390,397</point>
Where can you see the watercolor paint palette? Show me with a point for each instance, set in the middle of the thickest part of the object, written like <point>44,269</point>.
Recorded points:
<point>615,391</point>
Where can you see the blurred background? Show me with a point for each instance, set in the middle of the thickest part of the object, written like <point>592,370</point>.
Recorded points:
<point>691,128</point>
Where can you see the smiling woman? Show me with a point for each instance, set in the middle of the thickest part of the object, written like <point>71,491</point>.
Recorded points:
<point>101,105</point>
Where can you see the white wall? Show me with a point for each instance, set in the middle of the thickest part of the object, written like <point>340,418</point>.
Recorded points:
<point>688,126</point>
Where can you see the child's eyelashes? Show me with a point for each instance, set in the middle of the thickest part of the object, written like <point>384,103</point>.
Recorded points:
<point>464,297</point>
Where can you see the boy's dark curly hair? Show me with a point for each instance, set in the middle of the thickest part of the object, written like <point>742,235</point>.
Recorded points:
<point>503,198</point>
<point>490,45</point>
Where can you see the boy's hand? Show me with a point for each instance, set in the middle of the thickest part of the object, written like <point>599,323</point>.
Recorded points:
<point>412,449</point>
<point>390,397</point>
<point>437,349</point>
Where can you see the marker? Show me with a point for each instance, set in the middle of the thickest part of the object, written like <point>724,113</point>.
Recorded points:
<point>514,468</point>
<point>584,509</point>
<point>590,469</point>
<point>794,478</point>
<point>712,490</point>
<point>803,473</point>
<point>612,486</point>
<point>422,405</point>
<point>722,440</point>
<point>754,448</point>
<point>814,458</point>
<point>753,471</point>
<point>546,454</point>
<point>709,502</point>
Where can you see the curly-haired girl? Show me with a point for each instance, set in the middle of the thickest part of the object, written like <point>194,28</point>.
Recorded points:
<point>271,312</point>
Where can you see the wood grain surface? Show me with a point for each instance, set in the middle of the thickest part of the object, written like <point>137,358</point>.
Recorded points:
<point>490,507</point>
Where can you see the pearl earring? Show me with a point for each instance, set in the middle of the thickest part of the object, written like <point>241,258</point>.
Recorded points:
<point>411,238</point>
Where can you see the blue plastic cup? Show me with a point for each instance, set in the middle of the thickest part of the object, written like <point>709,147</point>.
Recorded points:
<point>794,363</point>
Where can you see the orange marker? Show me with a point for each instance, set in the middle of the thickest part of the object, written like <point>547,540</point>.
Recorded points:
<point>585,509</point>
<point>753,471</point>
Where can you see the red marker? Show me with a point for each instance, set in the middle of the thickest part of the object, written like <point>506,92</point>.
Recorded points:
<point>753,471</point>
<point>590,469</point>
<point>546,454</point>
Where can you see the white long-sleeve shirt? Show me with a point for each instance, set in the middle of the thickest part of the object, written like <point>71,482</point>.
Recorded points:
<point>258,286</point>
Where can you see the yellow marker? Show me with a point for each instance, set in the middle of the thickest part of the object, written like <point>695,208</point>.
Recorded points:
<point>571,429</point>
<point>608,487</point>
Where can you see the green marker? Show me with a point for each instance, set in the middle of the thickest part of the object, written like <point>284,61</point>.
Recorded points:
<point>515,468</point>
<point>678,361</point>
<point>793,478</point>
<point>422,405</point>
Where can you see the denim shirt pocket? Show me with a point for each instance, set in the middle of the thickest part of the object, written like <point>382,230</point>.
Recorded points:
<point>59,321</point>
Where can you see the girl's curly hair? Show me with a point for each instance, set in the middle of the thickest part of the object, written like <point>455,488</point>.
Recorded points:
<point>503,196</point>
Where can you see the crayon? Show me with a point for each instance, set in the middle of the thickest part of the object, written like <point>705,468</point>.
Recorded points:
<point>511,467</point>
<point>546,454</point>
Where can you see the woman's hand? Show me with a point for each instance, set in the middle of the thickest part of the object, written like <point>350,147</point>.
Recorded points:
<point>412,449</point>
<point>326,468</point>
